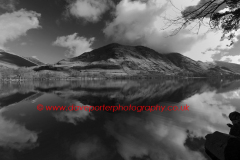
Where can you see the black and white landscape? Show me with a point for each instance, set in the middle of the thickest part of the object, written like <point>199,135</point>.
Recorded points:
<point>107,53</point>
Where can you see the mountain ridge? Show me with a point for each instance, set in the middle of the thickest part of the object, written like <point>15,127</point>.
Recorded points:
<point>136,60</point>
<point>232,66</point>
<point>115,60</point>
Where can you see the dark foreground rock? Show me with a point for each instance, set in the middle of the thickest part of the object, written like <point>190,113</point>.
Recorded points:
<point>221,146</point>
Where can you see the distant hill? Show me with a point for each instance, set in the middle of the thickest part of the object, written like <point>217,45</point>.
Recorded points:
<point>13,61</point>
<point>138,60</point>
<point>34,60</point>
<point>231,66</point>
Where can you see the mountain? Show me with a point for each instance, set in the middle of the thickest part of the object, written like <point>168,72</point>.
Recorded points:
<point>186,63</point>
<point>116,59</point>
<point>126,59</point>
<point>231,66</point>
<point>14,61</point>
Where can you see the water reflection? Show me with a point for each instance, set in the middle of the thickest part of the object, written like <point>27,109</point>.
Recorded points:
<point>14,135</point>
<point>26,133</point>
<point>75,116</point>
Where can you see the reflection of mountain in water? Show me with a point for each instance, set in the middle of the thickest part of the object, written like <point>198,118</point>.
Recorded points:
<point>12,93</point>
<point>134,92</point>
<point>131,92</point>
<point>124,92</point>
<point>102,135</point>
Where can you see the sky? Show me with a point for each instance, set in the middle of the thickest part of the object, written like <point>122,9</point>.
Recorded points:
<point>52,30</point>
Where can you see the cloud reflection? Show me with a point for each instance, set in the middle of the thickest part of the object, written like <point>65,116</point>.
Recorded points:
<point>163,135</point>
<point>232,95</point>
<point>14,135</point>
<point>73,116</point>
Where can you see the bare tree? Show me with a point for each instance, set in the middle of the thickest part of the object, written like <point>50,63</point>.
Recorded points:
<point>220,14</point>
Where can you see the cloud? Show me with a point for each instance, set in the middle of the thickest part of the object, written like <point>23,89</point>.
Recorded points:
<point>231,59</point>
<point>90,10</point>
<point>144,23</point>
<point>140,22</point>
<point>208,46</point>
<point>16,24</point>
<point>9,5</point>
<point>35,57</point>
<point>76,45</point>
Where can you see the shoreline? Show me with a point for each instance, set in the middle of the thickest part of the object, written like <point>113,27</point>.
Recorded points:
<point>112,78</point>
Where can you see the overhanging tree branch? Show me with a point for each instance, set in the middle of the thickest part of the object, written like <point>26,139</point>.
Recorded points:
<point>228,21</point>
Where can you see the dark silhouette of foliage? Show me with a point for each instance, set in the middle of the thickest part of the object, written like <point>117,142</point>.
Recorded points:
<point>223,15</point>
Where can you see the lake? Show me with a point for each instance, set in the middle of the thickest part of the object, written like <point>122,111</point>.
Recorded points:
<point>29,134</point>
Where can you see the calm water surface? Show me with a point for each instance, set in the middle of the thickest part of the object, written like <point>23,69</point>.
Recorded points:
<point>29,134</point>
